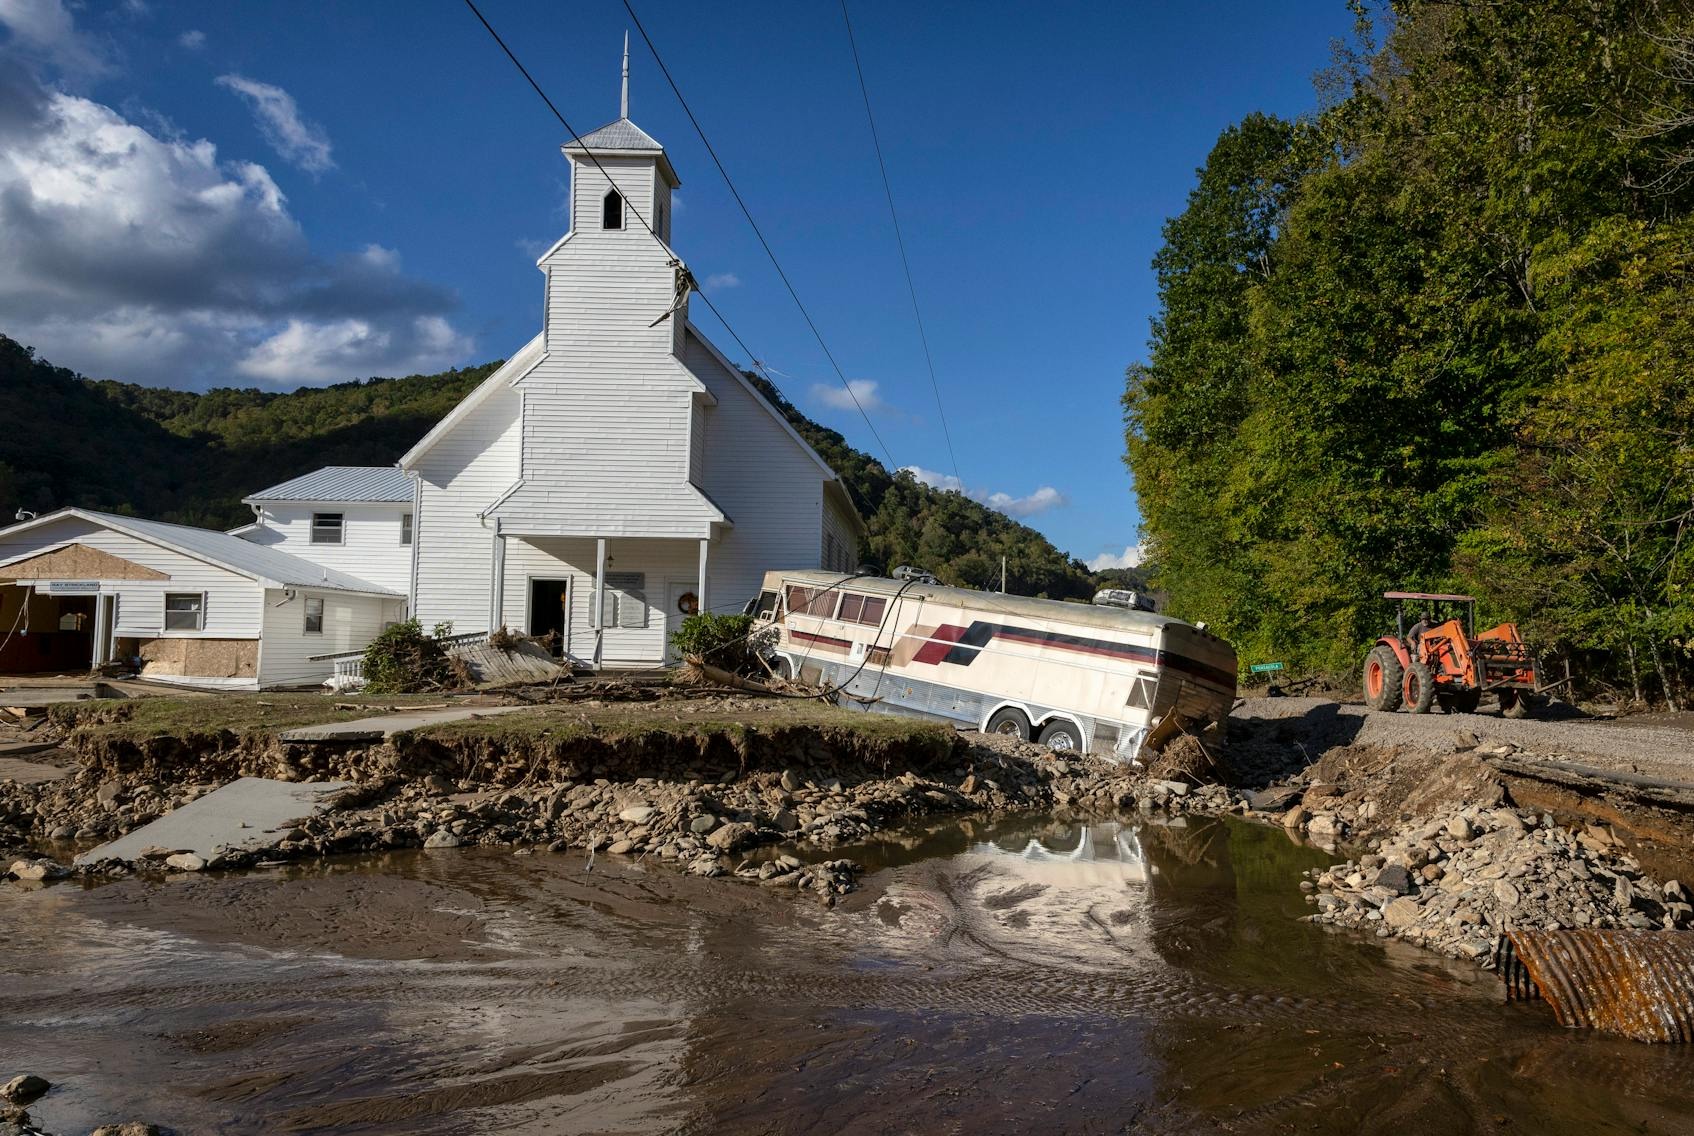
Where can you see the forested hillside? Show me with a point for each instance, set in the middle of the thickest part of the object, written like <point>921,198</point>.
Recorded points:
<point>187,457</point>
<point>1438,334</point>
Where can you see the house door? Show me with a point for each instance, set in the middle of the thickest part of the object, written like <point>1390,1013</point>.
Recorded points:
<point>550,612</point>
<point>682,599</point>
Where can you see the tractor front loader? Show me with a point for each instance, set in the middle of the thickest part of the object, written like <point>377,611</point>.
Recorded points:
<point>1441,659</point>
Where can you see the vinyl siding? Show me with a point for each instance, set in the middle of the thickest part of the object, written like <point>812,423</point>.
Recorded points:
<point>462,475</point>
<point>762,478</point>
<point>233,602</point>
<point>662,562</point>
<point>837,524</point>
<point>370,547</point>
<point>350,622</point>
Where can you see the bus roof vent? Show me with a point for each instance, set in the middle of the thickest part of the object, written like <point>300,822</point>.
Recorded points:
<point>915,575</point>
<point>1124,598</point>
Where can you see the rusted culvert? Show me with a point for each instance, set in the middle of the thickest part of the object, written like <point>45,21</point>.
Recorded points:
<point>1639,984</point>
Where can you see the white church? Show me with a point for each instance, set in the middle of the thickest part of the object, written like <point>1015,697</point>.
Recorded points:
<point>615,474</point>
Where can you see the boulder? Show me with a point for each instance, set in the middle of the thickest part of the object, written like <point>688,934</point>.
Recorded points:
<point>24,1088</point>
<point>42,869</point>
<point>730,837</point>
<point>441,838</point>
<point>1326,826</point>
<point>185,862</point>
<point>1295,817</point>
<point>702,824</point>
<point>1461,829</point>
<point>1275,799</point>
<point>1394,878</point>
<point>1402,912</point>
<point>638,814</point>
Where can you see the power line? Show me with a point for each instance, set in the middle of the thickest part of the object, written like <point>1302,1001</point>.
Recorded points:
<point>630,205</point>
<point>899,238</point>
<point>748,213</point>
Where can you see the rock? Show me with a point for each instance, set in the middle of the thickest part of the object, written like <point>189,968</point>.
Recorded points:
<point>784,820</point>
<point>129,1128</point>
<point>437,784</point>
<point>1174,788</point>
<point>442,838</point>
<point>790,781</point>
<point>1506,893</point>
<point>25,1088</point>
<point>185,862</point>
<point>62,832</point>
<point>42,869</point>
<point>1461,829</point>
<point>702,824</point>
<point>1402,912</point>
<point>1431,872</point>
<point>1295,817</point>
<point>638,814</point>
<point>968,785</point>
<point>731,836</point>
<point>107,794</point>
<point>621,848</point>
<point>1395,878</point>
<point>1465,740</point>
<point>1275,799</point>
<point>1326,826</point>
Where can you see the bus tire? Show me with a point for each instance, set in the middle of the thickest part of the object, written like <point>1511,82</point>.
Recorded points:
<point>1009,721</point>
<point>782,668</point>
<point>1062,734</point>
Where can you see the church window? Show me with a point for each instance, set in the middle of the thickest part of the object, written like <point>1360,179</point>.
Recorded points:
<point>611,211</point>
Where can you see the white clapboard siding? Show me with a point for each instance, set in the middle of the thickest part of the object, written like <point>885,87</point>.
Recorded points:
<point>662,562</point>
<point>232,604</point>
<point>760,476</point>
<point>461,476</point>
<point>350,622</point>
<point>370,545</point>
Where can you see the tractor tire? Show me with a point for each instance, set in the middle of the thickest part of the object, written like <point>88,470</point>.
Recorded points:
<point>1515,704</point>
<point>1459,701</point>
<point>1418,688</point>
<point>1382,680</point>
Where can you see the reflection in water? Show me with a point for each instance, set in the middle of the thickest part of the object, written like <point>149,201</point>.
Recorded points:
<point>1000,975</point>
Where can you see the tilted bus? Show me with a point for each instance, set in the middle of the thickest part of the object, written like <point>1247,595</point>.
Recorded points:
<point>1094,678</point>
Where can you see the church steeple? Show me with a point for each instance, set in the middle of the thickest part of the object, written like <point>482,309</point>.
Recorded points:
<point>623,103</point>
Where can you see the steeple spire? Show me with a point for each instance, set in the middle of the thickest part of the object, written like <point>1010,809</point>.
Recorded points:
<point>623,104</point>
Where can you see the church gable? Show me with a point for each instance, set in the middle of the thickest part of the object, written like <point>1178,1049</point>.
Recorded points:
<point>79,562</point>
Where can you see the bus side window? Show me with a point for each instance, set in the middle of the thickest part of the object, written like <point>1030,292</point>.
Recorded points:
<point>851,606</point>
<point>872,613</point>
<point>765,604</point>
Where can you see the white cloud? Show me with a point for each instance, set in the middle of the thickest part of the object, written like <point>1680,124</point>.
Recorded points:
<point>131,255</point>
<point>863,396</point>
<point>720,280</point>
<point>193,39</point>
<point>43,30</point>
<point>303,143</point>
<point>1129,558</point>
<point>1040,501</point>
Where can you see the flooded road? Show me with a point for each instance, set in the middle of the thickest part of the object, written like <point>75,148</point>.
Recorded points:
<point>1010,976</point>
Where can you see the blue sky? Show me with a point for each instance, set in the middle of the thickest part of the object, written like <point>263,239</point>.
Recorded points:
<point>315,191</point>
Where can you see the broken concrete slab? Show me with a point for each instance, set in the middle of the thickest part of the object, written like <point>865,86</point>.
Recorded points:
<point>251,814</point>
<point>387,725</point>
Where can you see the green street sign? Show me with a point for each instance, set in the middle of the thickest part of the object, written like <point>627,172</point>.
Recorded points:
<point>1264,668</point>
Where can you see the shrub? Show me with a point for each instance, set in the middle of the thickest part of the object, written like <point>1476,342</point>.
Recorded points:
<point>717,640</point>
<point>403,660</point>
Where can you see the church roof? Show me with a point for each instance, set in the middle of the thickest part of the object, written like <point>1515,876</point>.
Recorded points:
<point>620,135</point>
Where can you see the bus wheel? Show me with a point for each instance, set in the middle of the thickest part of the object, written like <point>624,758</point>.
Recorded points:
<point>1062,735</point>
<point>1010,721</point>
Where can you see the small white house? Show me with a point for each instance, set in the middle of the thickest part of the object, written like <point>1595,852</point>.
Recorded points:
<point>618,472</point>
<point>358,519</point>
<point>197,607</point>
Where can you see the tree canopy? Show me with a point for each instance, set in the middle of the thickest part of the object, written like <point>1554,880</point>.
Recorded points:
<point>1435,335</point>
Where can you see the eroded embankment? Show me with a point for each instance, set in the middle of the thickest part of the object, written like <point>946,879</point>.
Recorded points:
<point>1448,845</point>
<point>699,782</point>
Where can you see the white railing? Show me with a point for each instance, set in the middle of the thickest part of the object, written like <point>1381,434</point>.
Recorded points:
<point>351,664</point>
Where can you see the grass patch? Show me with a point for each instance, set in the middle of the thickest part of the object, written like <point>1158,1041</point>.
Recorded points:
<point>239,714</point>
<point>563,721</point>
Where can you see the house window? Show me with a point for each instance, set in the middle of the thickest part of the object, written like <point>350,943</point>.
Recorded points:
<point>326,528</point>
<point>624,603</point>
<point>314,615</point>
<point>405,528</point>
<point>611,211</point>
<point>185,611</point>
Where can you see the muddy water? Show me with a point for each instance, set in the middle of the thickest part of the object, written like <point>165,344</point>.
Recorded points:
<point>992,977</point>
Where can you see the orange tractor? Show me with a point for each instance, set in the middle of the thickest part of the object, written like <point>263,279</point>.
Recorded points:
<point>1441,659</point>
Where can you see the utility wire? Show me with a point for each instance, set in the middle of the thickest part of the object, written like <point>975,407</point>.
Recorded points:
<point>899,238</point>
<point>630,205</point>
<point>748,213</point>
